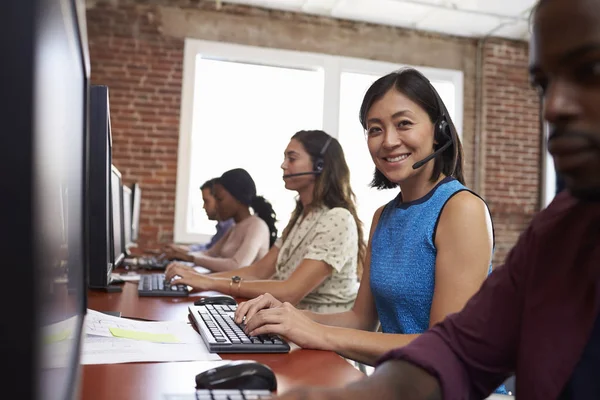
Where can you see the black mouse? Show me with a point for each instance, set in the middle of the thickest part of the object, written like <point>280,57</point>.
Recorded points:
<point>223,299</point>
<point>243,375</point>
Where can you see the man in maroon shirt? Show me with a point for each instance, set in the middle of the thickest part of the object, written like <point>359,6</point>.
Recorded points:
<point>537,316</point>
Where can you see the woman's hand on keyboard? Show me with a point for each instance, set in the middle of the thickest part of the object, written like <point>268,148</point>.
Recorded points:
<point>248,308</point>
<point>292,324</point>
<point>186,274</point>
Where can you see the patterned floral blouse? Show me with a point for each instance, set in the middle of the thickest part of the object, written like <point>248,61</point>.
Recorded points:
<point>331,236</point>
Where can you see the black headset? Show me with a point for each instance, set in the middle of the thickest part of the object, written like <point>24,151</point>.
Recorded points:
<point>442,134</point>
<point>319,162</point>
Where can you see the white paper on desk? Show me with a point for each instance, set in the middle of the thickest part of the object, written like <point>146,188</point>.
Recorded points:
<point>126,277</point>
<point>104,350</point>
<point>98,324</point>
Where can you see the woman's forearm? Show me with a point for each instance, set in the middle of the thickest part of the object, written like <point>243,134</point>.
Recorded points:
<point>216,264</point>
<point>363,346</point>
<point>249,273</point>
<point>250,289</point>
<point>347,319</point>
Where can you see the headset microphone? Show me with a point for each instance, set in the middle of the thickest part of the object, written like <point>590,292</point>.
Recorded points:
<point>433,155</point>
<point>301,174</point>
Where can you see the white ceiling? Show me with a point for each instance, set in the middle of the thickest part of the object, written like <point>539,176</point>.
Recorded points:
<point>472,18</point>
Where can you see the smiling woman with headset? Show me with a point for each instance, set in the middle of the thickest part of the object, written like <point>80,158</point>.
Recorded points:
<point>430,248</point>
<point>314,264</point>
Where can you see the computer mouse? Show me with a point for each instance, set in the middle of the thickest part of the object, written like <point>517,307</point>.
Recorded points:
<point>219,299</point>
<point>243,375</point>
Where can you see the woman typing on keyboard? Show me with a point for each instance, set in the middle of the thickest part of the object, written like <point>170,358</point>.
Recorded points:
<point>250,238</point>
<point>430,248</point>
<point>314,264</point>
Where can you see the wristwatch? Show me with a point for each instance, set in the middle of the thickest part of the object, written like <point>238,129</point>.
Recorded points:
<point>235,279</point>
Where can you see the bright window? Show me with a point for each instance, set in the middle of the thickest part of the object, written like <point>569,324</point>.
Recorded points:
<point>241,105</point>
<point>244,116</point>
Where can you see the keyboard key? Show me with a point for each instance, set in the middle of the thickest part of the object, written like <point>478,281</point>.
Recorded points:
<point>203,395</point>
<point>256,394</point>
<point>222,394</point>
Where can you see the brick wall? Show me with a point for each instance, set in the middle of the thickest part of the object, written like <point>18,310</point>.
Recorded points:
<point>511,147</point>
<point>143,71</point>
<point>136,49</point>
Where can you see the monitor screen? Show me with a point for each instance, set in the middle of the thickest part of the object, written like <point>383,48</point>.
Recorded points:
<point>116,217</point>
<point>135,217</point>
<point>58,189</point>
<point>127,209</point>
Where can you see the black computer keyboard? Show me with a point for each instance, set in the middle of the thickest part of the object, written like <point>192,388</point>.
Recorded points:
<point>222,335</point>
<point>222,394</point>
<point>153,263</point>
<point>155,285</point>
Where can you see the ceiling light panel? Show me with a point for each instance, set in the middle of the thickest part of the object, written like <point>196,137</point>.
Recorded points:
<point>508,8</point>
<point>459,23</point>
<point>518,30</point>
<point>288,5</point>
<point>386,12</point>
<point>319,6</point>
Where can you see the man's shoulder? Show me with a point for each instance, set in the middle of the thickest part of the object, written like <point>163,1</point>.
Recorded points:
<point>559,210</point>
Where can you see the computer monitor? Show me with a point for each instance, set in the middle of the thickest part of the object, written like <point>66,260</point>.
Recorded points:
<point>136,194</point>
<point>116,214</point>
<point>99,174</point>
<point>44,92</point>
<point>127,210</point>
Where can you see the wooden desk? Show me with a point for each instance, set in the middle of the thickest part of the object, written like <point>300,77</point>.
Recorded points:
<point>152,380</point>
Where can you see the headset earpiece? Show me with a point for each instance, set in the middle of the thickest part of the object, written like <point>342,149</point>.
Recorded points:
<point>319,163</point>
<point>442,132</point>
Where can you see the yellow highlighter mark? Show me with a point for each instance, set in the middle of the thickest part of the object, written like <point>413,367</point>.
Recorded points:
<point>146,336</point>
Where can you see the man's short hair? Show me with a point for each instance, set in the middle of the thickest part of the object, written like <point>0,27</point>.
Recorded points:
<point>209,184</point>
<point>534,9</point>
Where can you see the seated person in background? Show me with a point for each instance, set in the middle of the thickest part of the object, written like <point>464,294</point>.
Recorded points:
<point>210,207</point>
<point>430,248</point>
<point>251,236</point>
<point>538,315</point>
<point>314,264</point>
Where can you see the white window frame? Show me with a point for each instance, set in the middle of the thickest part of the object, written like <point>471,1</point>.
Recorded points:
<point>332,67</point>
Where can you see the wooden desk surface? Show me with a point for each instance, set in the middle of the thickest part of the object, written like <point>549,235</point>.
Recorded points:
<point>152,380</point>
